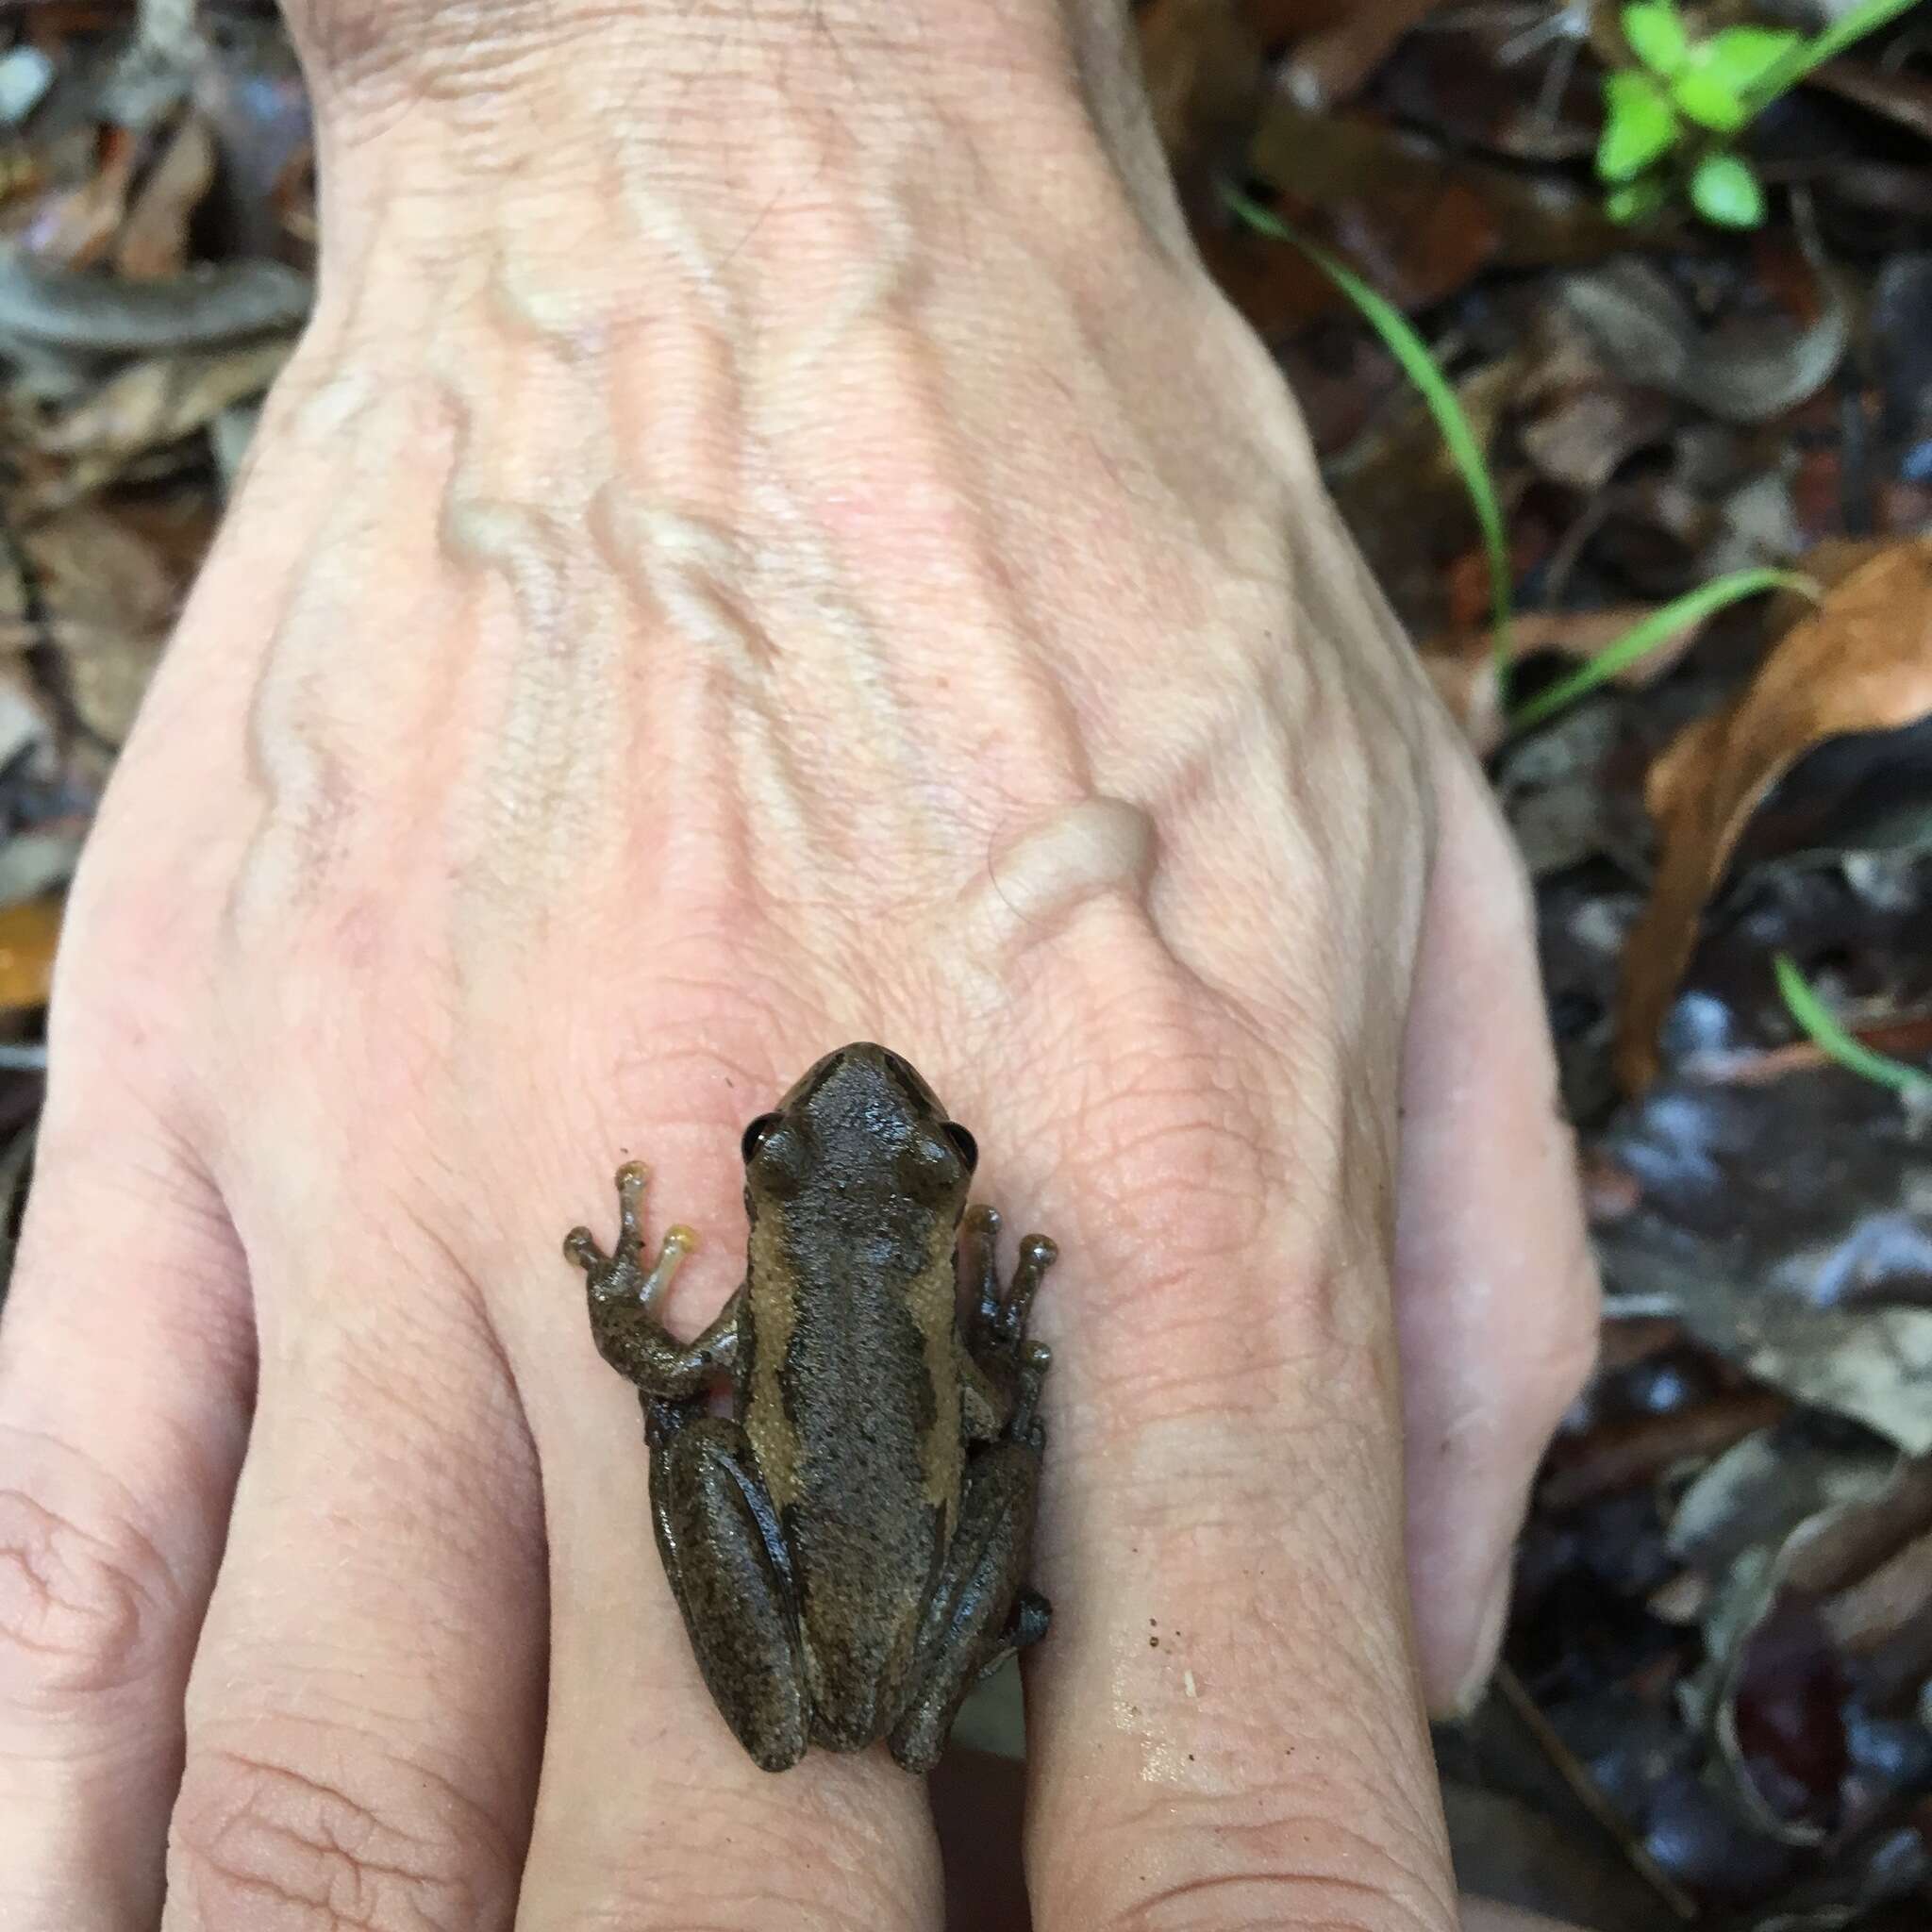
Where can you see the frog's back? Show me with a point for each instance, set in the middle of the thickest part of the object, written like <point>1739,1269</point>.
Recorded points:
<point>853,1407</point>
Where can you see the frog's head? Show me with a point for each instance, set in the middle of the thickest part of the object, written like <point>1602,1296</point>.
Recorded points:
<point>864,1125</point>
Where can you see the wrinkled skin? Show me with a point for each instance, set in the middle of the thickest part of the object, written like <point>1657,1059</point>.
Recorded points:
<point>770,538</point>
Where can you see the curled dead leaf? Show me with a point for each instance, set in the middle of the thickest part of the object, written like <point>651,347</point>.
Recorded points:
<point>1862,662</point>
<point>204,306</point>
<point>1646,333</point>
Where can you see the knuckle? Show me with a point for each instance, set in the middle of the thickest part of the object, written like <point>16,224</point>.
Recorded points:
<point>751,1861</point>
<point>85,1596</point>
<point>1223,1157</point>
<point>358,1837</point>
<point>1273,1866</point>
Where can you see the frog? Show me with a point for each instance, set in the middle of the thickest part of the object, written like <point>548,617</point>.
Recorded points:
<point>847,1537</point>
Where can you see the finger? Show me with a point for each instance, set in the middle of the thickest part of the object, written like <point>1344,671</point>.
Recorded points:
<point>1496,1295</point>
<point>650,1814</point>
<point>367,1700</point>
<point>1227,1727</point>
<point>126,1361</point>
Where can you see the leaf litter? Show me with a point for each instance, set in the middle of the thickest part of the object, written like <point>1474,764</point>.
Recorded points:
<point>1714,1708</point>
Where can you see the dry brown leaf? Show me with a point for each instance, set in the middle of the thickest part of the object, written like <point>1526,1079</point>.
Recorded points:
<point>150,406</point>
<point>1461,663</point>
<point>160,399</point>
<point>1415,220</point>
<point>95,568</point>
<point>1897,1595</point>
<point>1282,22</point>
<point>1462,667</point>
<point>1202,64</point>
<point>1402,494</point>
<point>111,593</point>
<point>27,935</point>
<point>74,225</point>
<point>154,239</point>
<point>1331,65</point>
<point>1861,662</point>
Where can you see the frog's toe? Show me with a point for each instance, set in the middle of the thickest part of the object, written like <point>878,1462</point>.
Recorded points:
<point>632,1179</point>
<point>580,1246</point>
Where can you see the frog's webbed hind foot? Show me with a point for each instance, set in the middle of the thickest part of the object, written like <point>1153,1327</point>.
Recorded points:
<point>978,1614</point>
<point>1031,1619</point>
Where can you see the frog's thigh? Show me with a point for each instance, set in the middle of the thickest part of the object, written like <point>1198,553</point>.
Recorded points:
<point>969,1620</point>
<point>709,1501</point>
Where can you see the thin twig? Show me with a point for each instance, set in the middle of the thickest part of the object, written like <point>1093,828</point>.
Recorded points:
<point>1564,1761</point>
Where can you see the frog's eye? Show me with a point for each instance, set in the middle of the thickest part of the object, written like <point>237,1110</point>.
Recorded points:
<point>934,1167</point>
<point>774,1153</point>
<point>964,1145</point>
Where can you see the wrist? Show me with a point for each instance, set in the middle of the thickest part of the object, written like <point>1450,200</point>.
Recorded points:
<point>636,170</point>
<point>493,109</point>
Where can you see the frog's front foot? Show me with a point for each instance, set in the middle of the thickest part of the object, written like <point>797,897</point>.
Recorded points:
<point>1000,1315</point>
<point>622,1275</point>
<point>623,1294</point>
<point>1010,1367</point>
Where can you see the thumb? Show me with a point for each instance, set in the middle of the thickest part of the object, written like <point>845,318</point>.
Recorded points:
<point>1496,1294</point>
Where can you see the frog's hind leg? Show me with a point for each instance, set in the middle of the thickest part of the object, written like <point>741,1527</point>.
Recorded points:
<point>978,1613</point>
<point>719,1537</point>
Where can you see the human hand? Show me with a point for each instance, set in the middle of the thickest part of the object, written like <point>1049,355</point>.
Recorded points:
<point>770,538</point>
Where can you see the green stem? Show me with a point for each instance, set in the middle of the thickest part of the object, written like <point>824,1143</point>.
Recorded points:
<point>1398,334</point>
<point>1644,637</point>
<point>1824,1032</point>
<point>1848,27</point>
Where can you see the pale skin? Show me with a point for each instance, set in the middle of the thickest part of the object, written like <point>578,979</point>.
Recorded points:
<point>770,540</point>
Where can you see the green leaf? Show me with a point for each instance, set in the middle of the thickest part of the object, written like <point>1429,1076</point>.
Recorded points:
<point>1824,1032</point>
<point>1724,191</point>
<point>1409,349</point>
<point>1661,626</point>
<point>1740,56</point>
<point>1708,102</point>
<point>1656,35</point>
<point>1636,201</point>
<point>1639,125</point>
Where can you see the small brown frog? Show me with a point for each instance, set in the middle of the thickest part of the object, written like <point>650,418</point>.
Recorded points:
<point>849,1546</point>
